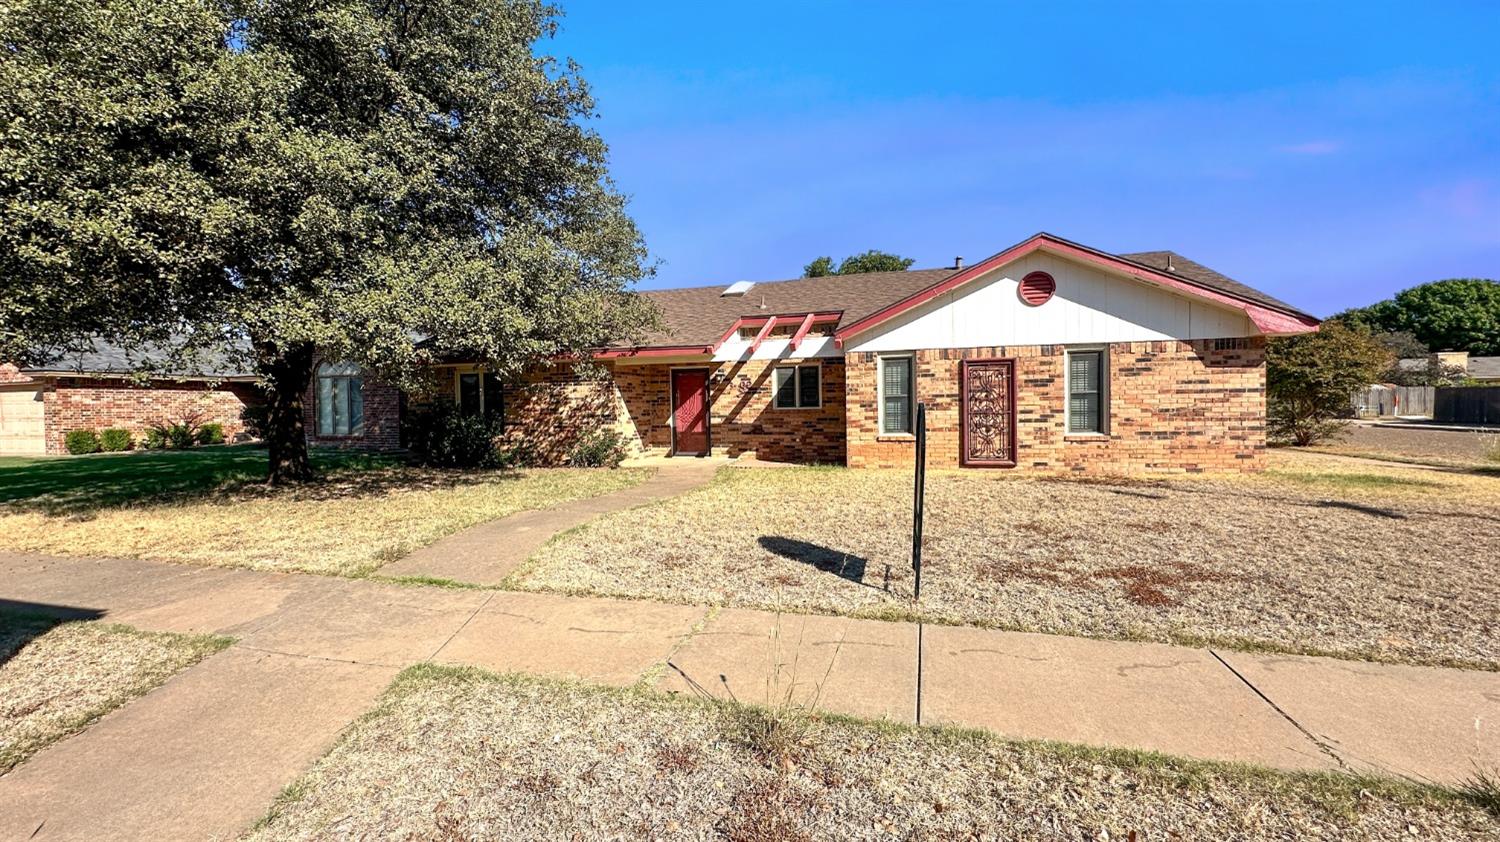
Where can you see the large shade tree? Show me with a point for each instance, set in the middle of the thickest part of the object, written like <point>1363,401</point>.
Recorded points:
<point>1459,314</point>
<point>375,181</point>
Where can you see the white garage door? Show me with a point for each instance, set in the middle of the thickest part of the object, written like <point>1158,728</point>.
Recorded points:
<point>21,430</point>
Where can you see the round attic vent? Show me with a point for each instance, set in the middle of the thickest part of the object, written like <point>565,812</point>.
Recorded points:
<point>1036,288</point>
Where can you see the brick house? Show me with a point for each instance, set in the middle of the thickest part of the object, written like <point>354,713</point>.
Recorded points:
<point>1049,355</point>
<point>99,389</point>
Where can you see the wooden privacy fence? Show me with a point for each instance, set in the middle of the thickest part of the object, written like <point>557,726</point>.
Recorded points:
<point>1467,405</point>
<point>1390,401</point>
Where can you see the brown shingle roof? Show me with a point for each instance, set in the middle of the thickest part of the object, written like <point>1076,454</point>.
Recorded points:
<point>700,315</point>
<point>1205,276</point>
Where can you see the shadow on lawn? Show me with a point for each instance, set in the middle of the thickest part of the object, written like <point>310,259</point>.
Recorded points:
<point>841,564</point>
<point>70,485</point>
<point>23,622</point>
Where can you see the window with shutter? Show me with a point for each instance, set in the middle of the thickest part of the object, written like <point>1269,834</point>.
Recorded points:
<point>468,394</point>
<point>494,399</point>
<point>1087,402</point>
<point>895,395</point>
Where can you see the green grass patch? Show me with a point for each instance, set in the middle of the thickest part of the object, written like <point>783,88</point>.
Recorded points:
<point>1353,481</point>
<point>99,480</point>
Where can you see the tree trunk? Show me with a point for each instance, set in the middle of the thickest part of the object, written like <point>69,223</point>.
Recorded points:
<point>287,370</point>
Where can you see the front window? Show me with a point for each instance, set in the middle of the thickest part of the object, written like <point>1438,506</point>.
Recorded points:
<point>479,393</point>
<point>895,382</point>
<point>798,387</point>
<point>341,400</point>
<point>1087,398</point>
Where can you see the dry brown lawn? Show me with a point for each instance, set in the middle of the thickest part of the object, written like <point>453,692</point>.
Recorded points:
<point>1438,447</point>
<point>1317,555</point>
<point>460,754</point>
<point>56,681</point>
<point>349,525</point>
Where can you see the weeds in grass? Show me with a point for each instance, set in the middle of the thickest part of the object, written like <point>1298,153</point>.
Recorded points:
<point>767,810</point>
<point>779,732</point>
<point>1482,789</point>
<point>1491,447</point>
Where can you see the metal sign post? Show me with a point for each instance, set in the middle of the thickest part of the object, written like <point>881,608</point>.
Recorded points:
<point>919,494</point>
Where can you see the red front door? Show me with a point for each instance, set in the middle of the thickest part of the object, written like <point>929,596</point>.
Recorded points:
<point>690,412</point>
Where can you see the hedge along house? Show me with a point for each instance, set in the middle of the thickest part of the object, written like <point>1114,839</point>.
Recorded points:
<point>102,387</point>
<point>1049,355</point>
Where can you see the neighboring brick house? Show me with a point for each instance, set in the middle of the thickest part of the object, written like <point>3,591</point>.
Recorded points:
<point>1049,355</point>
<point>97,390</point>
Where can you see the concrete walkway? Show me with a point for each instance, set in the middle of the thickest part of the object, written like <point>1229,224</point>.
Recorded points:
<point>487,553</point>
<point>203,755</point>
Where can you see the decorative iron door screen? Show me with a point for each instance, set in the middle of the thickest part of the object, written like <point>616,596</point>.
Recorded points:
<point>987,423</point>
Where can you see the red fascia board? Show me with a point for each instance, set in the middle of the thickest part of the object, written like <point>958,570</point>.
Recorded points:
<point>757,321</point>
<point>657,351</point>
<point>764,332</point>
<point>802,330</point>
<point>1261,315</point>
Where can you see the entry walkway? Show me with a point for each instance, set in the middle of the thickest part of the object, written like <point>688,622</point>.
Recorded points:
<point>204,755</point>
<point>487,553</point>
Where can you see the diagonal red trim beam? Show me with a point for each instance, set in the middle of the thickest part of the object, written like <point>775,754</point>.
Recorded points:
<point>765,331</point>
<point>802,330</point>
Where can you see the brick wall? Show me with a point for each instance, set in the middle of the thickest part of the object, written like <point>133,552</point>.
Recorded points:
<point>10,374</point>
<point>552,406</point>
<point>382,408</point>
<point>1174,407</point>
<point>72,403</point>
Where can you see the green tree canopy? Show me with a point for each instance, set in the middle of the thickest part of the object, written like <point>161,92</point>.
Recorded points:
<point>378,182</point>
<point>1310,378</point>
<point>1461,314</point>
<point>870,261</point>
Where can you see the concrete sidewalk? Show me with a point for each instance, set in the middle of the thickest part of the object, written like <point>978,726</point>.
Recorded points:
<point>487,553</point>
<point>202,755</point>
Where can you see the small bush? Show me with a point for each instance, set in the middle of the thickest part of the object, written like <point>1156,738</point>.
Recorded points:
<point>211,433</point>
<point>522,454</point>
<point>115,440</point>
<point>180,436</point>
<point>257,419</point>
<point>79,442</point>
<point>447,439</point>
<point>155,438</point>
<point>603,448</point>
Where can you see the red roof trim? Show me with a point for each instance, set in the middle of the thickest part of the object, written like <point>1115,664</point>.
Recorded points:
<point>656,351</point>
<point>756,321</point>
<point>802,330</point>
<point>764,332</point>
<point>1265,318</point>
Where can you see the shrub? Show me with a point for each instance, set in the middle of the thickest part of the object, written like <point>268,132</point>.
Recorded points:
<point>181,436</point>
<point>211,433</point>
<point>1310,377</point>
<point>79,442</point>
<point>115,440</point>
<point>256,419</point>
<point>602,448</point>
<point>522,454</point>
<point>155,438</point>
<point>447,439</point>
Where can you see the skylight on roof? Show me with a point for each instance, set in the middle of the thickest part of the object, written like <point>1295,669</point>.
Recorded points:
<point>736,289</point>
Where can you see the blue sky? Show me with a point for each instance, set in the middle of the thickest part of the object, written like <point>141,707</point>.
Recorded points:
<point>1328,153</point>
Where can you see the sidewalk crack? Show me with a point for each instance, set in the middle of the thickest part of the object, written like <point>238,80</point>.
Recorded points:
<point>1322,745</point>
<point>464,625</point>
